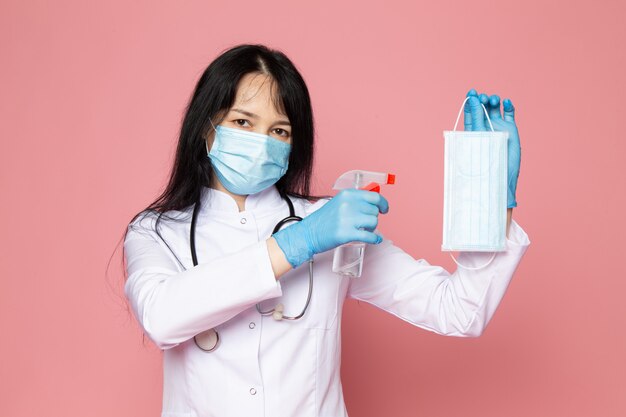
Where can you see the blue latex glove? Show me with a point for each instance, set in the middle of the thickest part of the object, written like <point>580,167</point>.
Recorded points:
<point>337,222</point>
<point>475,119</point>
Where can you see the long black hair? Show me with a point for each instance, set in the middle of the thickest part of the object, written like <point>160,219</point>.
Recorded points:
<point>213,96</point>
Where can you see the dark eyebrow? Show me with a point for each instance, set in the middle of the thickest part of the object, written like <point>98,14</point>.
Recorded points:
<point>247,113</point>
<point>254,116</point>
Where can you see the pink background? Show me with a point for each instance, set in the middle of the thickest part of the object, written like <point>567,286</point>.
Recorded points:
<point>91,97</point>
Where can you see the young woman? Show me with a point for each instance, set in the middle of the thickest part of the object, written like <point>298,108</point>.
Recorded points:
<point>249,326</point>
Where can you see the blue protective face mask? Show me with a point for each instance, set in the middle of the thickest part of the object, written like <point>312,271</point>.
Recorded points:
<point>247,162</point>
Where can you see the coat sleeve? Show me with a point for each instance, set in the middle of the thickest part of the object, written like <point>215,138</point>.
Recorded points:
<point>173,305</point>
<point>428,296</point>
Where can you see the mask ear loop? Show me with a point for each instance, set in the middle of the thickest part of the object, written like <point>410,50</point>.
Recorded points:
<point>455,125</point>
<point>206,141</point>
<point>458,117</point>
<point>472,268</point>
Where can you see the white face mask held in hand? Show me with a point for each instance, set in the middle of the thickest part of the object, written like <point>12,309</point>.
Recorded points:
<point>475,190</point>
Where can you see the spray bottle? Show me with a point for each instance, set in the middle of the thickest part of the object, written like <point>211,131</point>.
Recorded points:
<point>348,258</point>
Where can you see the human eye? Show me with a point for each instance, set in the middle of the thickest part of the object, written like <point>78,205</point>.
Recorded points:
<point>282,132</point>
<point>241,122</point>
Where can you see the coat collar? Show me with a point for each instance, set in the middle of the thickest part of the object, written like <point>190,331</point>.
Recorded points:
<point>215,201</point>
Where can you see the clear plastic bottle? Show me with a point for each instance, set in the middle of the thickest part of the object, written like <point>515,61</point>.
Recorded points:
<point>348,258</point>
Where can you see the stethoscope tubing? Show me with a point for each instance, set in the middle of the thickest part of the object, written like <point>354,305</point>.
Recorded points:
<point>194,257</point>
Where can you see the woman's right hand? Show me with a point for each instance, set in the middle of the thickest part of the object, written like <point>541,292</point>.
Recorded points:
<point>352,215</point>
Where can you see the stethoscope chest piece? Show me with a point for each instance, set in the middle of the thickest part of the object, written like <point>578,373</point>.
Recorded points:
<point>207,340</point>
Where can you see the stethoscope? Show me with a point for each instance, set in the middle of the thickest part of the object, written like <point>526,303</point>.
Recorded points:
<point>209,340</point>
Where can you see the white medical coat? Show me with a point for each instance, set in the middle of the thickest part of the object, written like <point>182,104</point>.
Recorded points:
<point>265,367</point>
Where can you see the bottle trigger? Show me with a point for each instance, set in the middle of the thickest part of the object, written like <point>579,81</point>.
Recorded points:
<point>372,186</point>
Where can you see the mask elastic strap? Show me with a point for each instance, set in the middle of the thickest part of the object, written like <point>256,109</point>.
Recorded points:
<point>461,111</point>
<point>206,142</point>
<point>470,267</point>
<point>455,125</point>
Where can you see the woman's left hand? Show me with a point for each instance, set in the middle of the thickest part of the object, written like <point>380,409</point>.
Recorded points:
<point>475,120</point>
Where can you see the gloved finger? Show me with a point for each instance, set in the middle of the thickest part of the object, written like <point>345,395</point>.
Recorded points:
<point>367,237</point>
<point>366,222</point>
<point>494,107</point>
<point>369,209</point>
<point>478,118</point>
<point>484,100</point>
<point>509,110</point>
<point>467,113</point>
<point>376,199</point>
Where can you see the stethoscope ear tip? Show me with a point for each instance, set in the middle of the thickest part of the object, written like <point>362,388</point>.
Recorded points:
<point>278,312</point>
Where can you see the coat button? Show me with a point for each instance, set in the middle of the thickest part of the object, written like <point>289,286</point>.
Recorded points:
<point>243,220</point>
<point>252,391</point>
<point>252,325</point>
